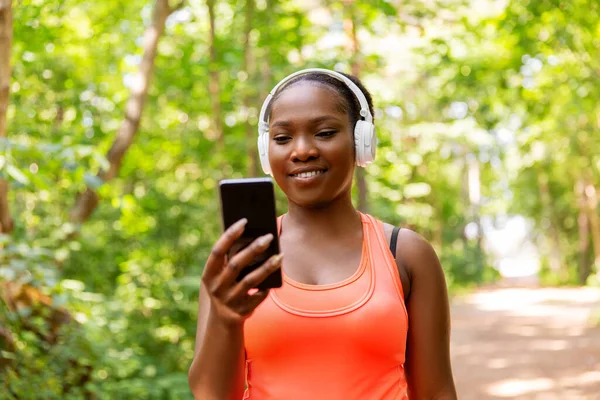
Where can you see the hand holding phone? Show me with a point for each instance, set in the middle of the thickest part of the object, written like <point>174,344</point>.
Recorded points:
<point>246,256</point>
<point>231,299</point>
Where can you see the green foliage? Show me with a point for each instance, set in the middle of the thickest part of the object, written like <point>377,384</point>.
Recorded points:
<point>510,90</point>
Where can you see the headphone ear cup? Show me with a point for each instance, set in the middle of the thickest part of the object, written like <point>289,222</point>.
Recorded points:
<point>358,143</point>
<point>365,143</point>
<point>263,152</point>
<point>371,142</point>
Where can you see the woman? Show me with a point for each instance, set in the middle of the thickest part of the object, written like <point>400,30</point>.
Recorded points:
<point>339,326</point>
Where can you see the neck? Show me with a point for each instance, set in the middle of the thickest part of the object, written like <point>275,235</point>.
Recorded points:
<point>339,216</point>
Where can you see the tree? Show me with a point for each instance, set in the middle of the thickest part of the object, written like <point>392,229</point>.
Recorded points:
<point>6,222</point>
<point>249,68</point>
<point>88,200</point>
<point>353,48</point>
<point>214,86</point>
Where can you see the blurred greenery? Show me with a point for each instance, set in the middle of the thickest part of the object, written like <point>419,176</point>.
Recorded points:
<point>485,110</point>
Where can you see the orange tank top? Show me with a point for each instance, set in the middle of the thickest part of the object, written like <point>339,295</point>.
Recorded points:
<point>342,341</point>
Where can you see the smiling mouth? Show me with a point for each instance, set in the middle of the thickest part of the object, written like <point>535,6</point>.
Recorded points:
<point>309,174</point>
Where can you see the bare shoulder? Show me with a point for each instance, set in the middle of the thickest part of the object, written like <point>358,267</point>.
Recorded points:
<point>412,248</point>
<point>416,254</point>
<point>416,259</point>
<point>416,249</point>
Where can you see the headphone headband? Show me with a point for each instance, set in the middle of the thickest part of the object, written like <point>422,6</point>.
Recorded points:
<point>263,123</point>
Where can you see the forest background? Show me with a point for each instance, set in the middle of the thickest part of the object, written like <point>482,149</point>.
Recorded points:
<point>117,120</point>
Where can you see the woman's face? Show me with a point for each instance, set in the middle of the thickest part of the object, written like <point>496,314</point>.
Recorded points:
<point>311,145</point>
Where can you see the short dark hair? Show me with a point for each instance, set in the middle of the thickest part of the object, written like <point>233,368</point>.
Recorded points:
<point>348,104</point>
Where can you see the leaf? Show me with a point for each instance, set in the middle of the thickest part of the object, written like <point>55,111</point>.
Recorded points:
<point>49,148</point>
<point>188,282</point>
<point>7,274</point>
<point>68,154</point>
<point>92,181</point>
<point>24,312</point>
<point>103,161</point>
<point>70,166</point>
<point>420,189</point>
<point>84,151</point>
<point>16,174</point>
<point>8,355</point>
<point>18,265</point>
<point>4,239</point>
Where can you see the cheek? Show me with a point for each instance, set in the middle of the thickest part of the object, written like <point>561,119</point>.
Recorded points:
<point>344,150</point>
<point>277,158</point>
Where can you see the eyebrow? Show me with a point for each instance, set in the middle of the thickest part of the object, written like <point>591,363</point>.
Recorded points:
<point>313,121</point>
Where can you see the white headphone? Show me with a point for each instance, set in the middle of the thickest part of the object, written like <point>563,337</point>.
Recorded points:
<point>365,140</point>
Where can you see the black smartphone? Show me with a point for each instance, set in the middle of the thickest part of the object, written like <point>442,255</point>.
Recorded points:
<point>253,199</point>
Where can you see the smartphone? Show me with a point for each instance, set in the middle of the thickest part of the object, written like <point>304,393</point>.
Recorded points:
<point>253,199</point>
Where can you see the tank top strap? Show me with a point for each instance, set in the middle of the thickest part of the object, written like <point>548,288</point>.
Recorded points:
<point>383,260</point>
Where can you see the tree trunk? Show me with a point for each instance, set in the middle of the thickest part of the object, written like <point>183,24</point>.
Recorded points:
<point>249,92</point>
<point>214,87</point>
<point>583,225</point>
<point>353,48</point>
<point>267,75</point>
<point>555,257</point>
<point>6,34</point>
<point>437,236</point>
<point>584,269</point>
<point>474,190</point>
<point>88,200</point>
<point>591,196</point>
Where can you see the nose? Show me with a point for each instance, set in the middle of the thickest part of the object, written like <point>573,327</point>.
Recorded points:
<point>305,149</point>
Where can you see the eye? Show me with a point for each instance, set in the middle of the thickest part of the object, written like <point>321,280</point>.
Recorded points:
<point>281,139</point>
<point>326,133</point>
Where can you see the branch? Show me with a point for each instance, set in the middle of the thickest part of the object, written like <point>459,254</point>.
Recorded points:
<point>214,86</point>
<point>87,201</point>
<point>177,7</point>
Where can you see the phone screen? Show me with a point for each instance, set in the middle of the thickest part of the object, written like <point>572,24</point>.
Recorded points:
<point>253,199</point>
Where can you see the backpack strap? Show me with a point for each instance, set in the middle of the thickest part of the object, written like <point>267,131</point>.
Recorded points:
<point>404,276</point>
<point>393,240</point>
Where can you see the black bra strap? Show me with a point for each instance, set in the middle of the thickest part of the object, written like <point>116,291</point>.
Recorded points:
<point>393,240</point>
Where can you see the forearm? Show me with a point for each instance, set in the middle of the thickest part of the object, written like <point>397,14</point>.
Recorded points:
<point>217,371</point>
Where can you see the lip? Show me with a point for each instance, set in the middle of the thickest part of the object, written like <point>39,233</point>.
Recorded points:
<point>308,181</point>
<point>305,169</point>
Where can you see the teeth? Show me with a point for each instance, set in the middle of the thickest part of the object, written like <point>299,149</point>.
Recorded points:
<point>308,174</point>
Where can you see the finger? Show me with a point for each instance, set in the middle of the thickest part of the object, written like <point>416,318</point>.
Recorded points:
<point>243,258</point>
<point>216,259</point>
<point>254,278</point>
<point>253,301</point>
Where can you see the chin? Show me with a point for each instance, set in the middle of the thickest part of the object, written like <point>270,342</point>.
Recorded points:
<point>313,204</point>
<point>306,199</point>
<point>314,195</point>
<point>316,199</point>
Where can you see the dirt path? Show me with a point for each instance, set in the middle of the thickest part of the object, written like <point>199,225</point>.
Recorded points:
<point>526,343</point>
